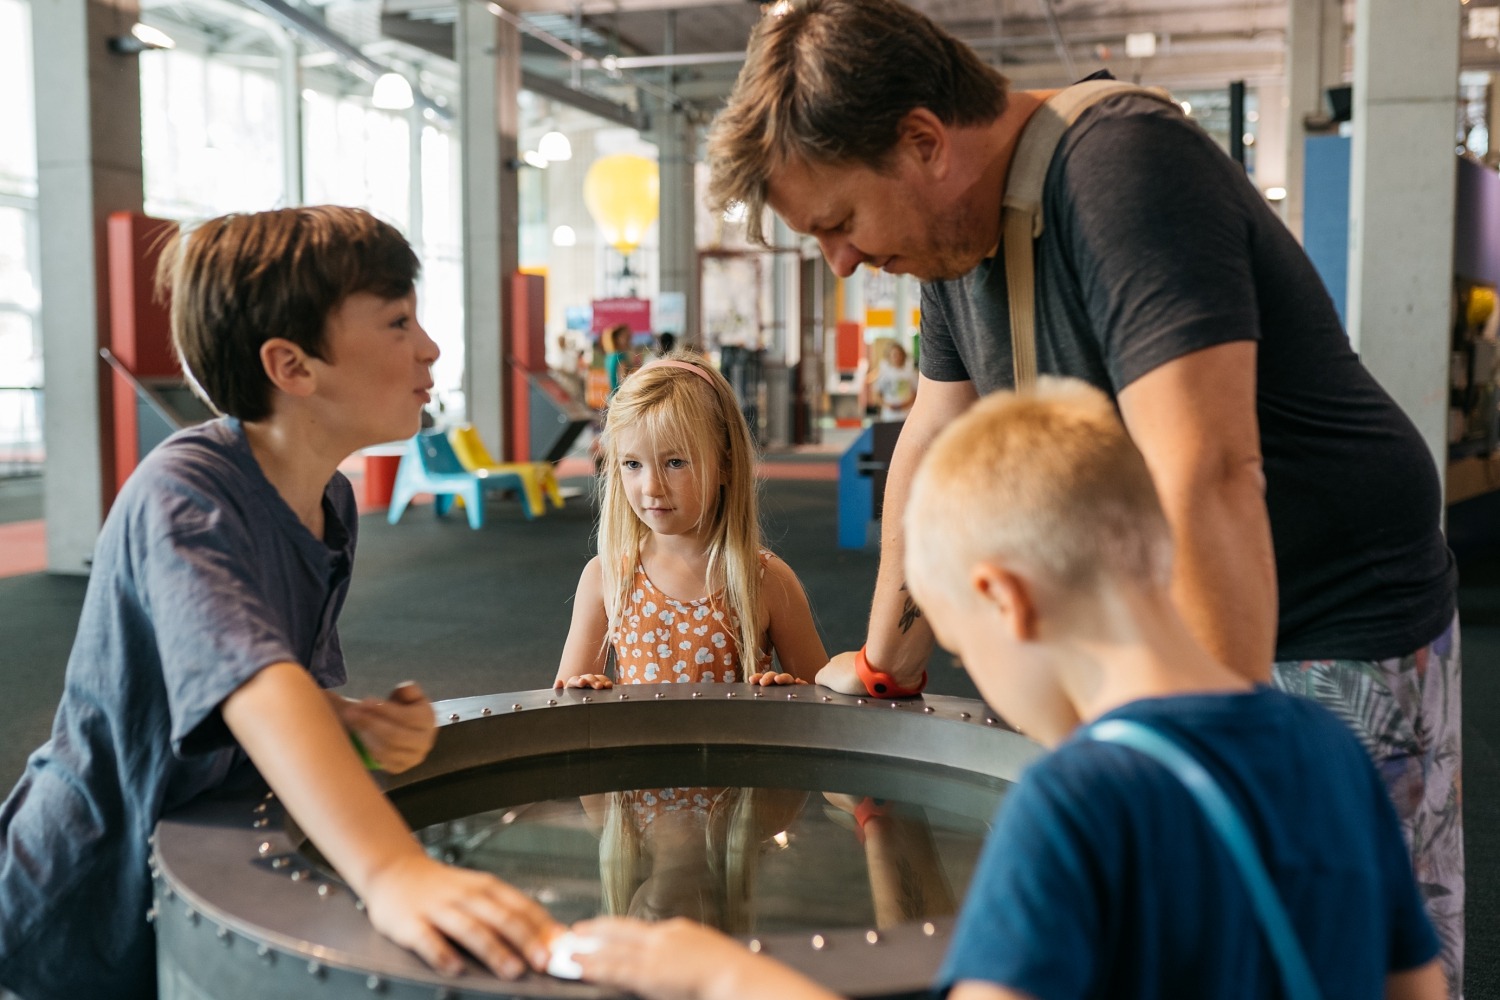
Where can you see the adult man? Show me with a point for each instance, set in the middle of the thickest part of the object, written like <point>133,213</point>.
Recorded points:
<point>1163,279</point>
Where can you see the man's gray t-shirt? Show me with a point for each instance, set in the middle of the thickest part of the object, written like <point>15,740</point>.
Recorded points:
<point>202,577</point>
<point>1155,246</point>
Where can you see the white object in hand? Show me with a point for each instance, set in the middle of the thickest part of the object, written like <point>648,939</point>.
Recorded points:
<point>563,964</point>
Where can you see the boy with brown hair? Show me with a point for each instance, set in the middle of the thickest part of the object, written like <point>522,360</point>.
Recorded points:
<point>1040,553</point>
<point>208,636</point>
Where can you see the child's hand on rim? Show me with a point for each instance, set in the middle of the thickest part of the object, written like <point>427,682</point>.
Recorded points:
<point>770,678</point>
<point>429,907</point>
<point>597,682</point>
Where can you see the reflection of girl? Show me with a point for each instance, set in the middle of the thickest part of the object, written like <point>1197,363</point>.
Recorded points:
<point>689,852</point>
<point>681,590</point>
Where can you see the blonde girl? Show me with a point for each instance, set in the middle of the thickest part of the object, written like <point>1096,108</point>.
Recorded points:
<point>681,590</point>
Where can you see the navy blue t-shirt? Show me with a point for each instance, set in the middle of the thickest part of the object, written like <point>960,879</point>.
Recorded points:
<point>202,577</point>
<point>1102,878</point>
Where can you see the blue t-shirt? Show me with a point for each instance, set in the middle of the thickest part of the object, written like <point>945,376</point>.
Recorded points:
<point>202,577</point>
<point>1102,878</point>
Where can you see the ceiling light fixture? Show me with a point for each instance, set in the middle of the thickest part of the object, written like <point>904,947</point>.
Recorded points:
<point>392,92</point>
<point>142,38</point>
<point>555,147</point>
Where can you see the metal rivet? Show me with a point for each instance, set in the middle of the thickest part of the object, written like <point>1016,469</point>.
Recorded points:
<point>280,862</point>
<point>989,722</point>
<point>624,696</point>
<point>872,936</point>
<point>151,915</point>
<point>261,823</point>
<point>325,890</point>
<point>270,796</point>
<point>192,916</point>
<point>485,710</point>
<point>732,694</point>
<point>587,699</point>
<point>263,951</point>
<point>169,893</point>
<point>963,715</point>
<point>298,876</point>
<point>453,717</point>
<point>265,847</point>
<point>516,707</point>
<point>697,694</point>
<point>929,929</point>
<point>359,904</point>
<point>260,808</point>
<point>895,704</point>
<point>222,933</point>
<point>757,694</point>
<point>552,701</point>
<point>827,698</point>
<point>443,993</point>
<point>661,694</point>
<point>860,701</point>
<point>791,696</point>
<point>375,984</point>
<point>818,943</point>
<point>928,709</point>
<point>315,968</point>
<point>754,945</point>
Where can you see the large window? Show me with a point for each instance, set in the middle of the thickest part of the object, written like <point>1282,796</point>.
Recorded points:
<point>20,300</point>
<point>211,136</point>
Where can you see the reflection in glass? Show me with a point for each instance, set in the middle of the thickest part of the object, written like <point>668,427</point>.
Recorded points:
<point>742,859</point>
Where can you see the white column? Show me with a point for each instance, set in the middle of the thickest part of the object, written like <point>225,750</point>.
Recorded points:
<point>677,144</point>
<point>489,57</point>
<point>1315,60</point>
<point>291,117</point>
<point>1271,136</point>
<point>88,142</point>
<point>1401,200</point>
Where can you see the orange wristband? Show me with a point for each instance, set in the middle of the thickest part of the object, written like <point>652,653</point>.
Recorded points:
<point>880,684</point>
<point>867,810</point>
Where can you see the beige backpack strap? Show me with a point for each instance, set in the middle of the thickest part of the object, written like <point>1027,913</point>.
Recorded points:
<point>1021,217</point>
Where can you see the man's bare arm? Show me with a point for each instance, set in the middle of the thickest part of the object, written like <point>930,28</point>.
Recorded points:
<point>899,641</point>
<point>1195,421</point>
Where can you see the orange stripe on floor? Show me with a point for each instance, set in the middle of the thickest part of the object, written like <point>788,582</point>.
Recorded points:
<point>23,547</point>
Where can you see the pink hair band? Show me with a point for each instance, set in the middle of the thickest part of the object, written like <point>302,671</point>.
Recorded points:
<point>685,366</point>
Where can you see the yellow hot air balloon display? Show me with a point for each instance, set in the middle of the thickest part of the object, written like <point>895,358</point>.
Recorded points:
<point>623,194</point>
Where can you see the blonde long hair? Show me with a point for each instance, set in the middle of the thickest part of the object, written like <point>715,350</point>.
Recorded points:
<point>700,417</point>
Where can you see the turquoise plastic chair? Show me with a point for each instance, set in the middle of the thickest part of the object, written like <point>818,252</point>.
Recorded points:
<point>430,466</point>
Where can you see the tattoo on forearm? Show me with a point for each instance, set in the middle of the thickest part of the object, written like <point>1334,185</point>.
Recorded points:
<point>909,612</point>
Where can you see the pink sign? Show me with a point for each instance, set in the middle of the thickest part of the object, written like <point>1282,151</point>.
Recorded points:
<point>634,313</point>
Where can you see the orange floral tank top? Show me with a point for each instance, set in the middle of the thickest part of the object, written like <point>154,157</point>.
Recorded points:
<point>662,640</point>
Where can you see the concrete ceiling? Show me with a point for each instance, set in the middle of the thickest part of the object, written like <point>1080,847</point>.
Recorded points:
<point>693,48</point>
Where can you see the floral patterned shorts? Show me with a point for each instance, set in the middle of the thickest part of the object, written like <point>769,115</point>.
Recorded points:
<point>1406,713</point>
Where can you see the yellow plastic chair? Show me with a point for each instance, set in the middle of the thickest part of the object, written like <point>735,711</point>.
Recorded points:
<point>538,481</point>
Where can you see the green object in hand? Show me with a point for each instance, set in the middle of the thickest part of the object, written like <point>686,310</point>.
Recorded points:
<point>364,754</point>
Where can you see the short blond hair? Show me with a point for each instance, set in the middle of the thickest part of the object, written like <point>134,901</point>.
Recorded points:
<point>829,82</point>
<point>1048,483</point>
